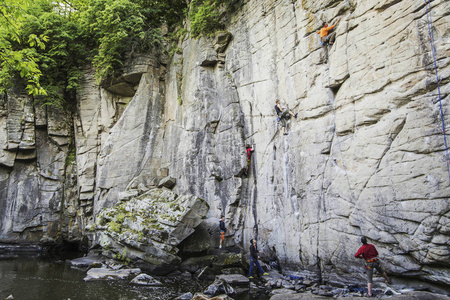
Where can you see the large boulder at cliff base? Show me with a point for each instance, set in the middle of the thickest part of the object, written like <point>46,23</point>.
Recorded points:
<point>147,229</point>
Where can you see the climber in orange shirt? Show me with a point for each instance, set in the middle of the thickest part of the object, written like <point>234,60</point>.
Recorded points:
<point>324,37</point>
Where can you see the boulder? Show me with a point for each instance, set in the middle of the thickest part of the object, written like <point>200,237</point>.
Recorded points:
<point>144,279</point>
<point>104,273</point>
<point>234,279</point>
<point>186,296</point>
<point>148,228</point>
<point>85,262</point>
<point>219,286</point>
<point>167,182</point>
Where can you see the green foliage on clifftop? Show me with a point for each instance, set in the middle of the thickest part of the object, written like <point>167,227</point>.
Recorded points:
<point>47,43</point>
<point>204,17</point>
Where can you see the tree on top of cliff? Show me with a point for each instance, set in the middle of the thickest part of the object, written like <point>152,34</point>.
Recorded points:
<point>15,60</point>
<point>48,42</point>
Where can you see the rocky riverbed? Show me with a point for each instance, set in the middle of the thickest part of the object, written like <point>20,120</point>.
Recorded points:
<point>223,275</point>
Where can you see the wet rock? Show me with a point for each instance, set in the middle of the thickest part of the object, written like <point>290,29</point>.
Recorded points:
<point>186,296</point>
<point>416,295</point>
<point>103,273</point>
<point>282,292</point>
<point>200,296</point>
<point>85,262</point>
<point>144,279</point>
<point>219,286</point>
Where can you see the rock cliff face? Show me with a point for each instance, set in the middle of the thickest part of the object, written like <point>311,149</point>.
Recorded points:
<point>366,154</point>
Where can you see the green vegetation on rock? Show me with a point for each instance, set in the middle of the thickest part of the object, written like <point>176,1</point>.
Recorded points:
<point>47,43</point>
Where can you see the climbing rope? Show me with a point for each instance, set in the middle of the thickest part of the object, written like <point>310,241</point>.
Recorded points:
<point>286,162</point>
<point>331,101</point>
<point>433,51</point>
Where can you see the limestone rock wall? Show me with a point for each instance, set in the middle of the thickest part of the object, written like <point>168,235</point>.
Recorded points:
<point>366,154</point>
<point>35,170</point>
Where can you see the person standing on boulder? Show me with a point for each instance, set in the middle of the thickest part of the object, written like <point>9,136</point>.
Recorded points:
<point>222,230</point>
<point>254,255</point>
<point>369,253</point>
<point>283,114</point>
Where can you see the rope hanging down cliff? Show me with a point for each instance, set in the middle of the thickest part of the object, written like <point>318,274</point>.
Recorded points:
<point>433,51</point>
<point>331,101</point>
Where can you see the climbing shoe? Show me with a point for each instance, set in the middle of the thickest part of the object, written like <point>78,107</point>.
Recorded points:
<point>250,277</point>
<point>295,116</point>
<point>265,274</point>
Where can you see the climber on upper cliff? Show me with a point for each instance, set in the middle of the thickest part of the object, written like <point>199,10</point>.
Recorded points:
<point>326,39</point>
<point>250,149</point>
<point>283,114</point>
<point>370,253</point>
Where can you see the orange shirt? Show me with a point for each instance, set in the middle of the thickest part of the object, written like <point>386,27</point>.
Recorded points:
<point>324,30</point>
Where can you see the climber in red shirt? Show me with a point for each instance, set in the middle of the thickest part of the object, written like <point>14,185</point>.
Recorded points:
<point>369,253</point>
<point>250,149</point>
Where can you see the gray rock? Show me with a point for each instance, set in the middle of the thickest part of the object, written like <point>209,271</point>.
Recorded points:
<point>167,182</point>
<point>282,292</point>
<point>219,286</point>
<point>85,262</point>
<point>144,279</point>
<point>193,264</point>
<point>127,195</point>
<point>108,274</point>
<point>234,279</point>
<point>147,228</point>
<point>200,296</point>
<point>186,296</point>
<point>221,41</point>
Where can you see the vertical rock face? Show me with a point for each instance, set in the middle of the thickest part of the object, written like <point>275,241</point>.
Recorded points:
<point>35,176</point>
<point>366,154</point>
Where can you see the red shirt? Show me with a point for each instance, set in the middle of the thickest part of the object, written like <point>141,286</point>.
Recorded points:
<point>249,152</point>
<point>367,251</point>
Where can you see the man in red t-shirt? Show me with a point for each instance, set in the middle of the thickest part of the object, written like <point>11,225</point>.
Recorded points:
<point>369,253</point>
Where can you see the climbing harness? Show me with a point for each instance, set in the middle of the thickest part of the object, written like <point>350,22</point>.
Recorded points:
<point>438,80</point>
<point>331,101</point>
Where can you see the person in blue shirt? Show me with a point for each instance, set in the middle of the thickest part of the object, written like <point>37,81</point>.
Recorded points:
<point>254,255</point>
<point>222,230</point>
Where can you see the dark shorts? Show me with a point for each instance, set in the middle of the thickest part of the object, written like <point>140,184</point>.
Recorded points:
<point>369,267</point>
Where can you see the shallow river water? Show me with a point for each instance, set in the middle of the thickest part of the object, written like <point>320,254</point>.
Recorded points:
<point>35,278</point>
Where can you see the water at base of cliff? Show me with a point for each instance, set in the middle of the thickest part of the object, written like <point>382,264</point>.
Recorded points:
<point>35,278</point>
